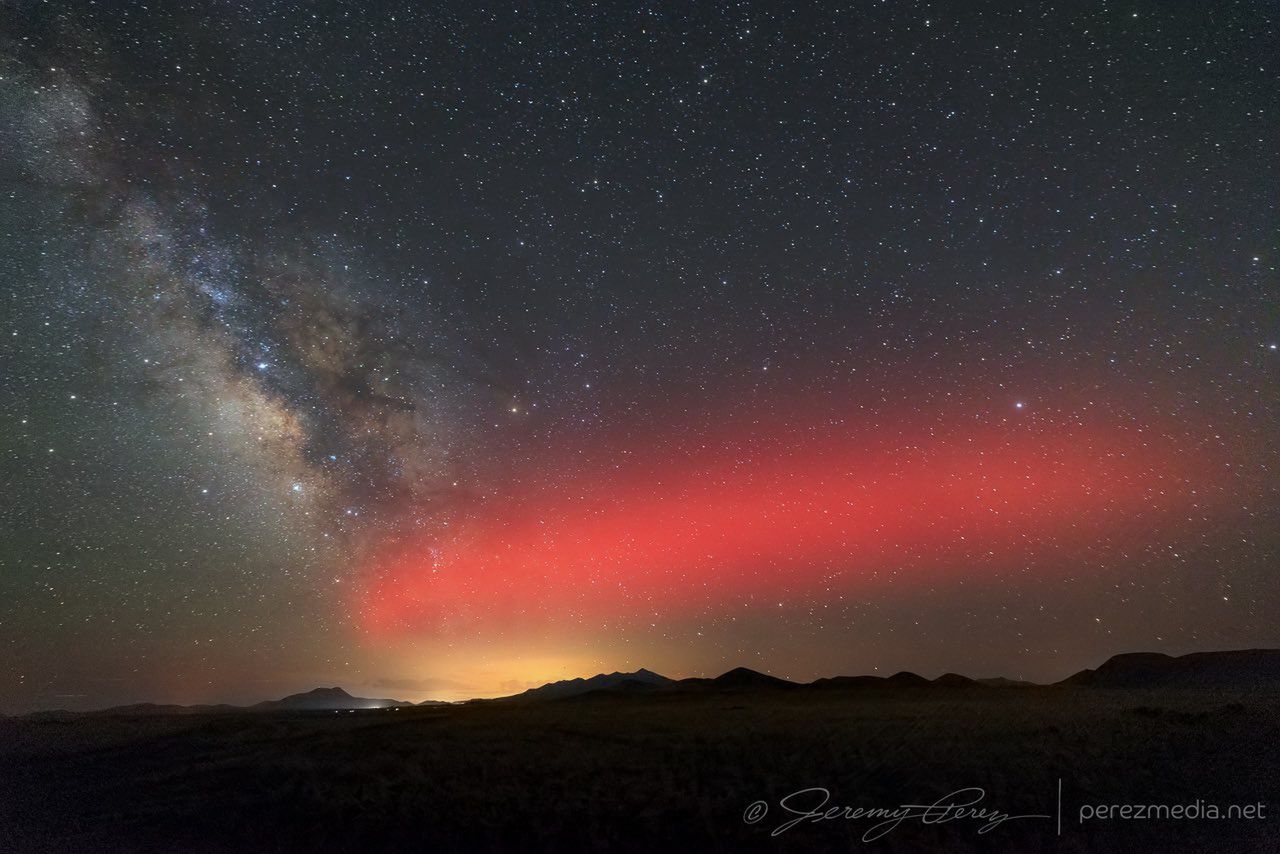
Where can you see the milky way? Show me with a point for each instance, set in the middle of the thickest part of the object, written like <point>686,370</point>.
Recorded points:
<point>455,350</point>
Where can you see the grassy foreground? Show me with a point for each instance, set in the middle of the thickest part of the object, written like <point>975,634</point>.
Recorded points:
<point>648,773</point>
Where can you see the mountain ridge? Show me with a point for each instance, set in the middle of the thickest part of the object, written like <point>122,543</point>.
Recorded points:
<point>327,699</point>
<point>1195,669</point>
<point>1242,669</point>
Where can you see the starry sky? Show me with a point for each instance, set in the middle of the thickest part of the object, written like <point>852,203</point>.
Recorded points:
<point>438,351</point>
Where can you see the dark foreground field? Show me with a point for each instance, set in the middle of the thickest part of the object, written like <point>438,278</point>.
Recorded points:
<point>648,773</point>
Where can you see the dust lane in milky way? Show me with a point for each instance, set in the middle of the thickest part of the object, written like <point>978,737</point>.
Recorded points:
<point>806,517</point>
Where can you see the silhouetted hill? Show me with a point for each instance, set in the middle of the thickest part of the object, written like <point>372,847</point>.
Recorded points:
<point>1002,682</point>
<point>745,678</point>
<point>640,681</point>
<point>326,699</point>
<point>847,682</point>
<point>1242,668</point>
<point>1237,668</point>
<point>906,679</point>
<point>738,679</point>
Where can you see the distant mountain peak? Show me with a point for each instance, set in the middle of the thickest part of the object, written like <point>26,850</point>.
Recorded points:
<point>640,680</point>
<point>743,677</point>
<point>333,698</point>
<point>906,677</point>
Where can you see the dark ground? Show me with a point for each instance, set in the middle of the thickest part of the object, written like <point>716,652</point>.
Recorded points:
<point>647,773</point>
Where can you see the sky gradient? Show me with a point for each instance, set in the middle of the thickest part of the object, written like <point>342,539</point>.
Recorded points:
<point>441,352</point>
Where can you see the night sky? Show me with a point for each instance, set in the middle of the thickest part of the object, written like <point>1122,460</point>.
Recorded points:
<point>439,352</point>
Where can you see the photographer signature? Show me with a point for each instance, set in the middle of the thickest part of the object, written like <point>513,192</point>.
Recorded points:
<point>813,805</point>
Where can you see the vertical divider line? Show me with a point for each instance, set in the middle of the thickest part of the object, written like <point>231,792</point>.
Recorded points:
<point>1059,806</point>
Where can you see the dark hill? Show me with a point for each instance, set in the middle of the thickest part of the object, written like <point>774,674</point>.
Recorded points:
<point>638,682</point>
<point>325,699</point>
<point>1003,682</point>
<point>847,682</point>
<point>1243,668</point>
<point>740,678</point>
